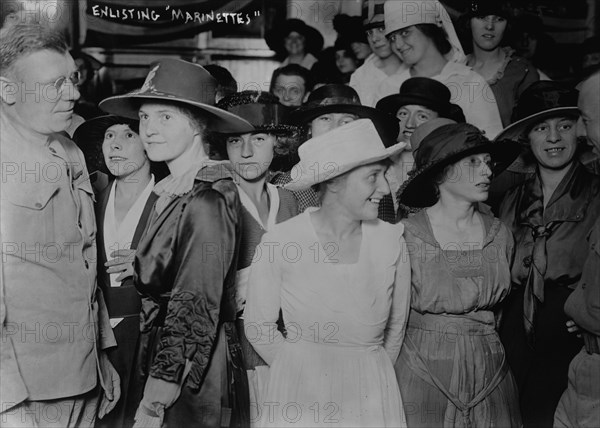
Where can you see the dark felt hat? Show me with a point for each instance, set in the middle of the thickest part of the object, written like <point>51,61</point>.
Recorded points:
<point>540,101</point>
<point>313,38</point>
<point>176,80</point>
<point>89,137</point>
<point>372,14</point>
<point>262,109</point>
<point>425,92</point>
<point>444,146</point>
<point>489,7</point>
<point>336,98</point>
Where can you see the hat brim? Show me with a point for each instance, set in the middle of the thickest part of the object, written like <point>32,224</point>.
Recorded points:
<point>392,103</point>
<point>516,129</point>
<point>302,180</point>
<point>386,125</point>
<point>376,24</point>
<point>419,192</point>
<point>314,40</point>
<point>280,129</point>
<point>219,120</point>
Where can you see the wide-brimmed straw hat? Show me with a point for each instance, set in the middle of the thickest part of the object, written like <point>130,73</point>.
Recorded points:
<point>336,98</point>
<point>337,152</point>
<point>425,92</point>
<point>444,146</point>
<point>262,109</point>
<point>313,40</point>
<point>176,80</point>
<point>89,137</point>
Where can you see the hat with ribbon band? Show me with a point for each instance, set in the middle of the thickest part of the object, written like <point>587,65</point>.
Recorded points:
<point>336,98</point>
<point>262,109</point>
<point>179,81</point>
<point>425,92</point>
<point>445,146</point>
<point>339,151</point>
<point>542,100</point>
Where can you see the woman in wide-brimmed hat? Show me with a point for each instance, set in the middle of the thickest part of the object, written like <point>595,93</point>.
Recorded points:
<point>327,108</point>
<point>460,270</point>
<point>295,41</point>
<point>341,280</point>
<point>423,35</point>
<point>486,27</point>
<point>263,204</point>
<point>550,213</point>
<point>189,368</point>
<point>112,145</point>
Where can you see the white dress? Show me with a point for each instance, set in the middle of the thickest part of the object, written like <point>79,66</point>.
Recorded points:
<point>345,324</point>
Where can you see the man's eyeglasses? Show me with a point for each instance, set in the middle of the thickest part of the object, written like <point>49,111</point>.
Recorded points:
<point>74,78</point>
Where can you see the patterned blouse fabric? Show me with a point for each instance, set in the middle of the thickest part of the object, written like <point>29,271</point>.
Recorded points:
<point>344,322</point>
<point>452,370</point>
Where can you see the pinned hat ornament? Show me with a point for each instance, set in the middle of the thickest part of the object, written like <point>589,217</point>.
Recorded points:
<point>373,14</point>
<point>89,137</point>
<point>179,81</point>
<point>400,14</point>
<point>336,98</point>
<point>540,101</point>
<point>425,92</point>
<point>482,8</point>
<point>444,146</point>
<point>261,109</point>
<point>313,40</point>
<point>339,151</point>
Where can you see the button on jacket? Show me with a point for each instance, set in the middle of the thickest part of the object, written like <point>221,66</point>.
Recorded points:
<point>53,317</point>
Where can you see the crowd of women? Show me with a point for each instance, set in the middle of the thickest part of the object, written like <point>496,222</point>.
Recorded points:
<point>410,249</point>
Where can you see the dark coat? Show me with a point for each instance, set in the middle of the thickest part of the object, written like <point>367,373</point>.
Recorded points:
<point>541,369</point>
<point>185,271</point>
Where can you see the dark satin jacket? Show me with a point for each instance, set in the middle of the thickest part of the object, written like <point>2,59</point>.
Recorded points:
<point>576,204</point>
<point>185,271</point>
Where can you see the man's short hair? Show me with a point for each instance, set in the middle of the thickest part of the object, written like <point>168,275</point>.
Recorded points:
<point>294,70</point>
<point>23,39</point>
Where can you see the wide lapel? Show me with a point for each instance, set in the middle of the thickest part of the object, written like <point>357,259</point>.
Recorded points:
<point>100,208</point>
<point>567,202</point>
<point>141,226</point>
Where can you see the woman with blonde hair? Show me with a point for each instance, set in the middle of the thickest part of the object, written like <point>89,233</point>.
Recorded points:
<point>189,364</point>
<point>340,277</point>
